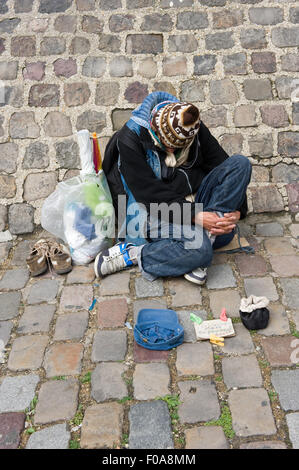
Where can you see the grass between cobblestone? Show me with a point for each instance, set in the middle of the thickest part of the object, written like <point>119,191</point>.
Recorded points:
<point>225,421</point>
<point>173,403</point>
<point>76,422</point>
<point>86,378</point>
<point>293,329</point>
<point>30,411</point>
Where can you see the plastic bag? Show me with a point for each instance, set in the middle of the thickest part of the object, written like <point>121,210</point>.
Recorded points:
<point>80,210</point>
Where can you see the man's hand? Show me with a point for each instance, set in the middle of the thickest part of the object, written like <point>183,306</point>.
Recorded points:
<point>226,223</point>
<point>217,225</point>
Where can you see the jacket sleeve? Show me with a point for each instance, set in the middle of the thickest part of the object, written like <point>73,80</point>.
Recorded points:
<point>145,186</point>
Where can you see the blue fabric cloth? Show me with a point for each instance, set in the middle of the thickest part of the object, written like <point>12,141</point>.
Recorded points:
<point>83,223</point>
<point>223,189</point>
<point>158,329</point>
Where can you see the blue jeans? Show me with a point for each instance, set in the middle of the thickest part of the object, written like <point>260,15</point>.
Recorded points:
<point>223,189</point>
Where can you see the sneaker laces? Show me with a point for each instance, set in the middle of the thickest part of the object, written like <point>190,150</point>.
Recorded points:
<point>115,261</point>
<point>42,248</point>
<point>55,248</point>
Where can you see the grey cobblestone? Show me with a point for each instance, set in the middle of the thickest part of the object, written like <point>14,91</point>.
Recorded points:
<point>107,382</point>
<point>286,384</point>
<point>20,218</point>
<point>239,344</point>
<point>241,372</point>
<point>36,318</point>
<point>195,359</point>
<point>17,392</point>
<point>71,326</point>
<point>263,286</point>
<point>256,422</point>
<point>52,437</point>
<point>27,352</point>
<point>3,218</point>
<point>76,297</point>
<point>253,38</point>
<point>189,20</point>
<point>266,16</point>
<point>145,288</point>
<point>21,252</point>
<point>150,426</point>
<point>204,64</point>
<point>293,424</point>
<point>210,437</point>
<point>184,293</point>
<point>235,64</point>
<point>9,305</point>
<point>220,276</point>
<point>151,381</point>
<point>228,299</point>
<point>5,329</point>
<point>116,284</point>
<point>285,37</point>
<point>263,445</point>
<point>36,156</point>
<point>290,288</point>
<point>43,291</point>
<point>193,394</point>
<point>269,230</point>
<point>278,322</point>
<point>109,346</point>
<point>57,400</point>
<point>93,436</point>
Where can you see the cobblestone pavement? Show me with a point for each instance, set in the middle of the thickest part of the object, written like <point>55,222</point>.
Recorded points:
<point>73,377</point>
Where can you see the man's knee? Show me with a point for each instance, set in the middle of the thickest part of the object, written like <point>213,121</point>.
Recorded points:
<point>241,162</point>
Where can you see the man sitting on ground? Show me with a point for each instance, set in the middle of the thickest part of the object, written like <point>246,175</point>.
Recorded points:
<point>166,154</point>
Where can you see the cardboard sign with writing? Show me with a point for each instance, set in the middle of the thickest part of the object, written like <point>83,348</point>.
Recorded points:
<point>222,329</point>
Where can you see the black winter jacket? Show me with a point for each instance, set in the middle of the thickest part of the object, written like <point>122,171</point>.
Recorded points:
<point>176,183</point>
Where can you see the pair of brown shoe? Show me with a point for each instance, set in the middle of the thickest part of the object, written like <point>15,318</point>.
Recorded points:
<point>46,251</point>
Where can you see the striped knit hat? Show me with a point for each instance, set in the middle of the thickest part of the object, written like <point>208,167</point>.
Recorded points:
<point>176,124</point>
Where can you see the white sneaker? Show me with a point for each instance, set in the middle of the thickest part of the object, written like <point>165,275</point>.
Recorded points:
<point>198,276</point>
<point>113,260</point>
